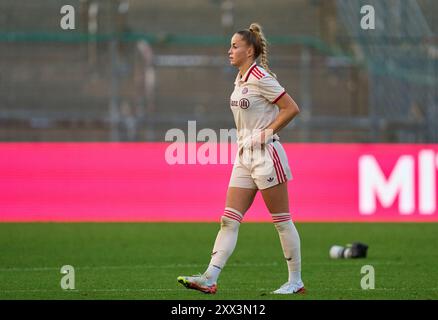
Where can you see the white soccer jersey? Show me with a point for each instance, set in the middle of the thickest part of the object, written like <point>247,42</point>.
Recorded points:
<point>253,101</point>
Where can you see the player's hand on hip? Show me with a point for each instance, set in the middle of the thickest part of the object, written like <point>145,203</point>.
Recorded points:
<point>258,139</point>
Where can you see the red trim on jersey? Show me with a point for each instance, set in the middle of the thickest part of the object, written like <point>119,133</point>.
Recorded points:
<point>275,163</point>
<point>249,72</point>
<point>278,98</point>
<point>257,70</point>
<point>256,75</point>
<point>279,162</point>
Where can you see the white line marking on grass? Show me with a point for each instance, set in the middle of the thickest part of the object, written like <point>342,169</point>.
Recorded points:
<point>28,269</point>
<point>144,266</point>
<point>222,290</point>
<point>119,290</point>
<point>173,266</point>
<point>361,290</point>
<point>351,263</point>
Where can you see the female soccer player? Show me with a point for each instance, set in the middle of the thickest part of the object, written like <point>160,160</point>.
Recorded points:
<point>261,107</point>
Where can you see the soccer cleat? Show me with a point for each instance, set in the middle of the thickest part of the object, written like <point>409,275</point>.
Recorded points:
<point>197,282</point>
<point>291,288</point>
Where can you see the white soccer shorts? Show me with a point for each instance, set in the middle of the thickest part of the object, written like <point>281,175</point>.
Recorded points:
<point>261,168</point>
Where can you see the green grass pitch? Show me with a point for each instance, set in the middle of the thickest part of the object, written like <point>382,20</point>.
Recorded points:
<point>143,260</point>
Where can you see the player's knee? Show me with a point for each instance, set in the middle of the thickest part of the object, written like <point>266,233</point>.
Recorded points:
<point>282,221</point>
<point>282,226</point>
<point>231,218</point>
<point>229,223</point>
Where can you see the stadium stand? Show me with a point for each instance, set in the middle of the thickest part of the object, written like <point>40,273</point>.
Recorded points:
<point>60,85</point>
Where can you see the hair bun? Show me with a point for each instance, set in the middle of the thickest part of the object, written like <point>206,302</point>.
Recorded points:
<point>255,27</point>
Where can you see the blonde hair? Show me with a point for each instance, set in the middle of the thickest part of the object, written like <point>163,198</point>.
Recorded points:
<point>254,36</point>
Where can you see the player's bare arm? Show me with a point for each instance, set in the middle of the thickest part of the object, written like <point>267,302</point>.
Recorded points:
<point>288,110</point>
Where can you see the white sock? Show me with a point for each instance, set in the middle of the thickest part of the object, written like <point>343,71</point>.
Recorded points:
<point>212,274</point>
<point>290,243</point>
<point>225,243</point>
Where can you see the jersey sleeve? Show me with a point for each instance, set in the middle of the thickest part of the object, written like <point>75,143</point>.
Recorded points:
<point>270,89</point>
